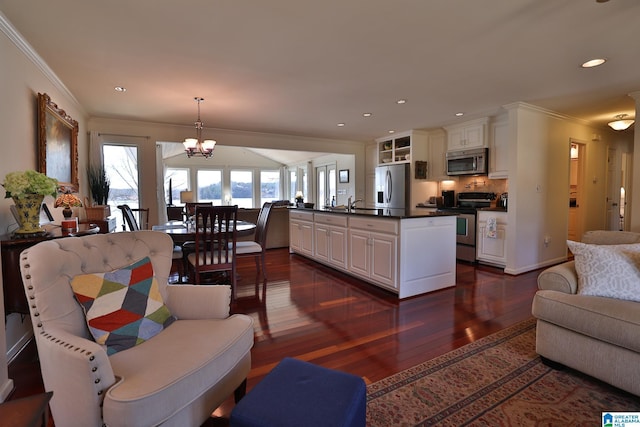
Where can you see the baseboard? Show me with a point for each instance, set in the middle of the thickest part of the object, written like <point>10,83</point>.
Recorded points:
<point>516,271</point>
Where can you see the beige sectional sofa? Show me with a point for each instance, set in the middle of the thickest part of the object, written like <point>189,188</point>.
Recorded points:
<point>597,335</point>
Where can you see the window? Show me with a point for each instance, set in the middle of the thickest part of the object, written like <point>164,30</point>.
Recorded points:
<point>269,186</point>
<point>121,165</point>
<point>242,188</point>
<point>293,182</point>
<point>210,186</point>
<point>177,180</point>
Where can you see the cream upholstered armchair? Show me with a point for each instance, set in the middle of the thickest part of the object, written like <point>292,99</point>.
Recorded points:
<point>175,378</point>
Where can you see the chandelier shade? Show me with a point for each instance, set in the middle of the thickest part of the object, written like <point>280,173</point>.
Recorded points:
<point>621,123</point>
<point>197,146</point>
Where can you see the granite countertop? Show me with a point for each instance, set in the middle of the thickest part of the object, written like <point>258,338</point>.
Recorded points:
<point>382,213</point>
<point>494,209</point>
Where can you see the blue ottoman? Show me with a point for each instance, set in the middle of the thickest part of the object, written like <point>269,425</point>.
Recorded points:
<point>301,394</point>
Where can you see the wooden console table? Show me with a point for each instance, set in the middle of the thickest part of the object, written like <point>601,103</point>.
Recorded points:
<point>11,246</point>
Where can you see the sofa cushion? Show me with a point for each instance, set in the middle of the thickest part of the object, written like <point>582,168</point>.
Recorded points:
<point>123,308</point>
<point>606,319</point>
<point>608,270</point>
<point>168,372</point>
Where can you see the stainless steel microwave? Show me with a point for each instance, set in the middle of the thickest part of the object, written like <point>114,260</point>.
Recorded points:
<point>468,162</point>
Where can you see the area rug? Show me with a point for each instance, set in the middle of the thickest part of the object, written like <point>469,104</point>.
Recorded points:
<point>498,380</point>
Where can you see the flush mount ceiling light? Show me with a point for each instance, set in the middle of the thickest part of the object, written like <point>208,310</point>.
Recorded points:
<point>621,123</point>
<point>593,63</point>
<point>196,146</point>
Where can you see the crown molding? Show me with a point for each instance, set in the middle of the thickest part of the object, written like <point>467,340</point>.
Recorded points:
<point>23,46</point>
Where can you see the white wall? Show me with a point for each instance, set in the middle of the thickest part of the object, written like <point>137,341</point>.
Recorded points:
<point>146,134</point>
<point>342,161</point>
<point>23,75</point>
<point>539,190</point>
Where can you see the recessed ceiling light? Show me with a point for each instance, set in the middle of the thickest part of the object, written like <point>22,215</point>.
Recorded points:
<point>401,101</point>
<point>340,124</point>
<point>392,131</point>
<point>593,63</point>
<point>120,89</point>
<point>460,114</point>
<point>367,114</point>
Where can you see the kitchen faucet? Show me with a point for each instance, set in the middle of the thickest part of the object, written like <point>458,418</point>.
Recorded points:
<point>352,206</point>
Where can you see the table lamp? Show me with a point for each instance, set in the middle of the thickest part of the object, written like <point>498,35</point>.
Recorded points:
<point>186,196</point>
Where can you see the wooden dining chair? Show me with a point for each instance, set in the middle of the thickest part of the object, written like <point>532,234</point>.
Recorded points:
<point>175,213</point>
<point>130,221</point>
<point>215,244</point>
<point>191,207</point>
<point>129,218</point>
<point>258,247</point>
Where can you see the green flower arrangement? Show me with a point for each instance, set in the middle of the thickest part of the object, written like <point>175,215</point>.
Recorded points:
<point>17,184</point>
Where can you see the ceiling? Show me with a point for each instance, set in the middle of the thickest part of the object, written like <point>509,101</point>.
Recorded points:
<point>300,68</point>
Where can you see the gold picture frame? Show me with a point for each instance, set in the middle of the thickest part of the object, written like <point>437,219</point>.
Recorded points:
<point>57,144</point>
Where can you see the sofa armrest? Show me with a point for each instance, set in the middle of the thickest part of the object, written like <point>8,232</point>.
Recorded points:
<point>561,277</point>
<point>78,372</point>
<point>199,302</point>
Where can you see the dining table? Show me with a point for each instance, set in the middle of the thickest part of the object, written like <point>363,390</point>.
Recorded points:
<point>185,231</point>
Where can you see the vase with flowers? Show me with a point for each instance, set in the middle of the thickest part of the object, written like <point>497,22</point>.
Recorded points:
<point>27,189</point>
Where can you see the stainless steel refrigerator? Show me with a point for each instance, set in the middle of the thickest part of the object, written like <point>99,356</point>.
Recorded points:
<point>392,187</point>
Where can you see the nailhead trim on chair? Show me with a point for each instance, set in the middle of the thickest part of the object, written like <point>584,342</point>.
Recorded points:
<point>92,357</point>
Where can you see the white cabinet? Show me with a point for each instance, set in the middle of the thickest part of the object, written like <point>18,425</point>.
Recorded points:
<point>499,149</point>
<point>407,256</point>
<point>467,135</point>
<point>373,246</point>
<point>330,236</point>
<point>403,147</point>
<point>437,169</point>
<point>301,232</point>
<point>491,244</point>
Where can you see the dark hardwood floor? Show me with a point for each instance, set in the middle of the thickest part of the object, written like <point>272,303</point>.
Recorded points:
<point>317,314</point>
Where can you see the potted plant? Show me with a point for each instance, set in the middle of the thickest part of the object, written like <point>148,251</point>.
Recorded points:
<point>27,189</point>
<point>99,185</point>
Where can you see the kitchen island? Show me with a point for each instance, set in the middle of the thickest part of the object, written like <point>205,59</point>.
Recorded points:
<point>405,252</point>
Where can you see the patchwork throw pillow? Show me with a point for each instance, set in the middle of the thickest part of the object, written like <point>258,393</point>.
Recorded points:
<point>124,307</point>
<point>611,271</point>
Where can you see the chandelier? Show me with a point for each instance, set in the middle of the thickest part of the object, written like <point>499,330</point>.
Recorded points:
<point>196,146</point>
<point>621,123</point>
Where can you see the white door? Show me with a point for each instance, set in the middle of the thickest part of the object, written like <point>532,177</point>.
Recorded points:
<point>325,185</point>
<point>614,184</point>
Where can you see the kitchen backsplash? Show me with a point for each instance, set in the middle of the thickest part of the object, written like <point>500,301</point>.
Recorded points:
<point>476,183</point>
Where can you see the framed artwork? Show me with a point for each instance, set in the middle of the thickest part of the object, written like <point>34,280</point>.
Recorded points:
<point>421,169</point>
<point>57,144</point>
<point>343,176</point>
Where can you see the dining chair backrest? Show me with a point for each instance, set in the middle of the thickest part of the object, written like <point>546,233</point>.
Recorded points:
<point>191,207</point>
<point>175,213</point>
<point>143,217</point>
<point>262,224</point>
<point>129,218</point>
<point>215,247</point>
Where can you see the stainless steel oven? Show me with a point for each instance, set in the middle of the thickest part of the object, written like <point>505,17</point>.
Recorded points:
<point>466,208</point>
<point>466,236</point>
